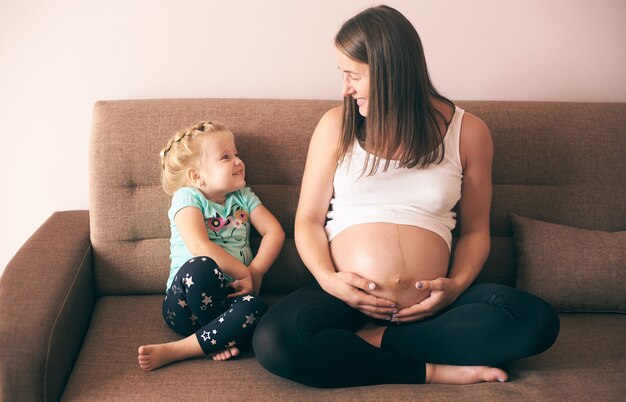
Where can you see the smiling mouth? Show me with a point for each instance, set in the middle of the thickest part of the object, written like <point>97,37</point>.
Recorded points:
<point>361,101</point>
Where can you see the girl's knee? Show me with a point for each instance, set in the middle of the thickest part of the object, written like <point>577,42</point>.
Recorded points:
<point>260,305</point>
<point>198,265</point>
<point>250,303</point>
<point>200,270</point>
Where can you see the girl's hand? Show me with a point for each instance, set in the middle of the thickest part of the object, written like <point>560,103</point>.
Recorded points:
<point>352,289</point>
<point>242,286</point>
<point>443,291</point>
<point>257,279</point>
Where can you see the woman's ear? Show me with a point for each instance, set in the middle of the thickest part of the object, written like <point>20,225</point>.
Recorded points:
<point>194,177</point>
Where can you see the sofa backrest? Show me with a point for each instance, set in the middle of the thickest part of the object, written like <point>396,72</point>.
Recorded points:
<point>560,162</point>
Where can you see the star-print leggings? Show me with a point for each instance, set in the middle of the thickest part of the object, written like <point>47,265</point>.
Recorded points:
<point>196,302</point>
<point>309,337</point>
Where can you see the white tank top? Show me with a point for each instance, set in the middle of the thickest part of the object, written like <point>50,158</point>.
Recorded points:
<point>417,197</point>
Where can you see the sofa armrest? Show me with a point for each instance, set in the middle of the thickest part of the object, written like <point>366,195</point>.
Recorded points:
<point>46,299</point>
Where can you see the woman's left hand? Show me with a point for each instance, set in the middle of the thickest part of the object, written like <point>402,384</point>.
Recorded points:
<point>443,291</point>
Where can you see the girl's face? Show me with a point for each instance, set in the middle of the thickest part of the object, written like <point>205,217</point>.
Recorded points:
<point>356,80</point>
<point>219,167</point>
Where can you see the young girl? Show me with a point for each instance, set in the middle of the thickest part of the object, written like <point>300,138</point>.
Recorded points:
<point>214,280</point>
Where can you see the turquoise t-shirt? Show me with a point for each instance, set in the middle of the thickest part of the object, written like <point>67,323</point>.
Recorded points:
<point>227,225</point>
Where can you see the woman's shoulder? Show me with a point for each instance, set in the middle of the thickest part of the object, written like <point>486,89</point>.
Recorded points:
<point>331,120</point>
<point>475,141</point>
<point>334,113</point>
<point>328,128</point>
<point>474,125</point>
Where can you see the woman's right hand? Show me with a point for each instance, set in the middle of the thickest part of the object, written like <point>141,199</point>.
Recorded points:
<point>311,240</point>
<point>352,289</point>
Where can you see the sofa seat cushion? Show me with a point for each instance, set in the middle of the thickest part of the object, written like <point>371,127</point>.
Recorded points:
<point>587,362</point>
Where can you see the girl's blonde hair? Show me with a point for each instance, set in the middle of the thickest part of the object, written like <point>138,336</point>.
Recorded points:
<point>181,150</point>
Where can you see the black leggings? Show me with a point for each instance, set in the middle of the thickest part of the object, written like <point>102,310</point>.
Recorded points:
<point>309,337</point>
<point>197,302</point>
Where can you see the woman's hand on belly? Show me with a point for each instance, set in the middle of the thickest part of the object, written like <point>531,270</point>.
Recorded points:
<point>352,289</point>
<point>443,292</point>
<point>392,256</point>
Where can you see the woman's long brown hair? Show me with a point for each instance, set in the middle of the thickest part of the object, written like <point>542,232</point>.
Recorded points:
<point>401,115</point>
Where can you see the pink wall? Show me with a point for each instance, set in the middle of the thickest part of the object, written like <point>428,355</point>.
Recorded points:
<point>57,58</point>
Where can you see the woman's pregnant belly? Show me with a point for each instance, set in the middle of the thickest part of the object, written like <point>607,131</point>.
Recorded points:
<point>393,256</point>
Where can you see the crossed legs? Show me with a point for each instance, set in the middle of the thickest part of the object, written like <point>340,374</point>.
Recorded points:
<point>315,339</point>
<point>197,307</point>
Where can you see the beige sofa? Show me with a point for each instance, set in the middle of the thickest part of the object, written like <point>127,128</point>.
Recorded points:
<point>85,291</point>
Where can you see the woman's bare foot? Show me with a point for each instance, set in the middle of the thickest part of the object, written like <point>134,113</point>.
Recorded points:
<point>440,373</point>
<point>444,374</point>
<point>372,334</point>
<point>226,354</point>
<point>151,357</point>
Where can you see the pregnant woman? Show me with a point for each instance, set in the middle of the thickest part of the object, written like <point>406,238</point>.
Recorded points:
<point>373,225</point>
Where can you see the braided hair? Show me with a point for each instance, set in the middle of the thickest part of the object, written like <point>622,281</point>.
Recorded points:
<point>181,150</point>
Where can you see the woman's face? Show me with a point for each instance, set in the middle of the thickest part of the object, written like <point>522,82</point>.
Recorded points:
<point>356,80</point>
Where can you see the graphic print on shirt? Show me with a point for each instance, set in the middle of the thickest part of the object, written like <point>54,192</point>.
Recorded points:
<point>232,227</point>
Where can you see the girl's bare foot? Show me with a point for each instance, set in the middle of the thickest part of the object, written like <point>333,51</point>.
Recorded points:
<point>226,354</point>
<point>372,334</point>
<point>151,357</point>
<point>444,374</point>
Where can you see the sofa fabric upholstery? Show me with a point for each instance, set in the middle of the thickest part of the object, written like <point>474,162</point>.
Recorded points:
<point>128,207</point>
<point>41,335</point>
<point>100,291</point>
<point>594,261</point>
<point>557,373</point>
